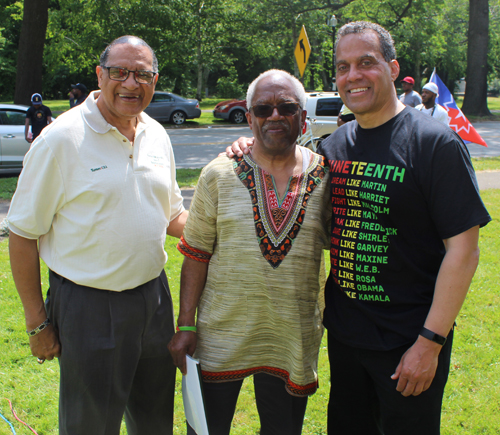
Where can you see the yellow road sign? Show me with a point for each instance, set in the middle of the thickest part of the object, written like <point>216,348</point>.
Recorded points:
<point>302,51</point>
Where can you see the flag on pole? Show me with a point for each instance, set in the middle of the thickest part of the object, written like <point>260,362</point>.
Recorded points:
<point>458,121</point>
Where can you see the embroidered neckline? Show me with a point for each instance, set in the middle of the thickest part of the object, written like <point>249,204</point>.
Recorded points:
<point>277,223</point>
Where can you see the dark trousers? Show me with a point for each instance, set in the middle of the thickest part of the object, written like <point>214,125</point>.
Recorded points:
<point>114,357</point>
<point>364,400</point>
<point>280,413</point>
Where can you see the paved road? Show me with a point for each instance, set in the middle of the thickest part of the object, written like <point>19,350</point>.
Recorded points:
<point>490,132</point>
<point>194,148</point>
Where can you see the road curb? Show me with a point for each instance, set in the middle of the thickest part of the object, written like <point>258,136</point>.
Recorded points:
<point>186,127</point>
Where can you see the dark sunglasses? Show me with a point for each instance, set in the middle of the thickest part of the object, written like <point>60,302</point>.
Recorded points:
<point>266,110</point>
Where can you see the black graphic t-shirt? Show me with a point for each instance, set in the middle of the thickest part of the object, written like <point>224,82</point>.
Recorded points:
<point>397,191</point>
<point>39,118</point>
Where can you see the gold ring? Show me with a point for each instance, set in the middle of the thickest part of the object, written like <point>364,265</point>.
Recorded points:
<point>40,360</point>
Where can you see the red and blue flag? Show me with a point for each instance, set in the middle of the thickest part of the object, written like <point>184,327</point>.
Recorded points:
<point>458,121</point>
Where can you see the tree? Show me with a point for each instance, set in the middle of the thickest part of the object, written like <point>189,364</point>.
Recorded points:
<point>11,18</point>
<point>30,54</point>
<point>475,100</point>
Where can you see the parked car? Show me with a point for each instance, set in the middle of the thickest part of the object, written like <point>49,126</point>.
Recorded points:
<point>232,110</point>
<point>323,109</point>
<point>322,112</point>
<point>169,107</point>
<point>13,145</point>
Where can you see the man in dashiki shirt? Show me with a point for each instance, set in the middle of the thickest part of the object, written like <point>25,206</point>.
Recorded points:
<point>260,316</point>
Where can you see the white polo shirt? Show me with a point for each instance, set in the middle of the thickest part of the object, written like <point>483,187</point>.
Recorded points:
<point>99,205</point>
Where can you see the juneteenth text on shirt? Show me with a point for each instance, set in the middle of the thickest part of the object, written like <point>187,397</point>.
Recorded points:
<point>358,280</point>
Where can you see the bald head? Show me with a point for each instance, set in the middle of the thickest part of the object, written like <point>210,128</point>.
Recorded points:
<point>298,88</point>
<point>127,39</point>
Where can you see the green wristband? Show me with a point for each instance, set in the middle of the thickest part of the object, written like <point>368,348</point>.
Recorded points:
<point>186,328</point>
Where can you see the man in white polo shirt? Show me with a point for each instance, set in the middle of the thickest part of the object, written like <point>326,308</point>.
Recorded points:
<point>95,198</point>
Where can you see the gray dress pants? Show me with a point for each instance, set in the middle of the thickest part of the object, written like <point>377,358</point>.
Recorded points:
<point>114,357</point>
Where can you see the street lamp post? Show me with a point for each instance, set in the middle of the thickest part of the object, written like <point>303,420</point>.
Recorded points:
<point>333,24</point>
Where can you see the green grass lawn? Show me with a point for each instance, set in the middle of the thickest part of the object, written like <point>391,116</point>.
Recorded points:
<point>474,378</point>
<point>486,164</point>
<point>471,405</point>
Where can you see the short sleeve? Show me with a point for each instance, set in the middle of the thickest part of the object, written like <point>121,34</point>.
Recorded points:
<point>452,190</point>
<point>39,195</point>
<point>176,200</point>
<point>200,232</point>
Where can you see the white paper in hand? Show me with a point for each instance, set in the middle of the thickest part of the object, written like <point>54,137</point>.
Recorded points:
<point>193,398</point>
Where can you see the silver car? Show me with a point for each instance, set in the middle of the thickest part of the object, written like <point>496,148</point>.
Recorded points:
<point>13,145</point>
<point>168,107</point>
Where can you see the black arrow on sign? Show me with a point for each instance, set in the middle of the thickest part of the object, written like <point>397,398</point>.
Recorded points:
<point>302,48</point>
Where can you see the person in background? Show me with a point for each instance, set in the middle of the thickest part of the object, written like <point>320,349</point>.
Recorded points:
<point>77,95</point>
<point>39,116</point>
<point>429,106</point>
<point>409,97</point>
<point>345,115</point>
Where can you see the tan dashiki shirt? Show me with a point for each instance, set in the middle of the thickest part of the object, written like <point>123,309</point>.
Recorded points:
<point>261,308</point>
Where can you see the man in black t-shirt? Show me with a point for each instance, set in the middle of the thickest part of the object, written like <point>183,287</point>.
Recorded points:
<point>39,116</point>
<point>404,247</point>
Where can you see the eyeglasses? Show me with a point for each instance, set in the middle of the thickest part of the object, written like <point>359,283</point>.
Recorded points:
<point>266,110</point>
<point>121,74</point>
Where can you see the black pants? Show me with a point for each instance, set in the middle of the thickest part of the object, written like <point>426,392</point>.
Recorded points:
<point>364,400</point>
<point>280,413</point>
<point>114,357</point>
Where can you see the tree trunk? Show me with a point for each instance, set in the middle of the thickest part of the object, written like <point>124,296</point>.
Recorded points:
<point>199,87</point>
<point>206,74</point>
<point>199,58</point>
<point>417,73</point>
<point>30,55</point>
<point>295,38</point>
<point>475,100</point>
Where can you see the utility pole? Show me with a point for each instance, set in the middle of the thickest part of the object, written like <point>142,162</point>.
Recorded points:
<point>332,22</point>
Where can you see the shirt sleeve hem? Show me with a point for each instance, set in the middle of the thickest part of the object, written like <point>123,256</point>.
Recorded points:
<point>483,221</point>
<point>183,209</point>
<point>22,233</point>
<point>193,253</point>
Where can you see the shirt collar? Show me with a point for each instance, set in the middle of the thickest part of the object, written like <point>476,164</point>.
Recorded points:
<point>93,116</point>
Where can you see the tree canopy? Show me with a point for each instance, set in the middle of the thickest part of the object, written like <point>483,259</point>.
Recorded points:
<point>219,46</point>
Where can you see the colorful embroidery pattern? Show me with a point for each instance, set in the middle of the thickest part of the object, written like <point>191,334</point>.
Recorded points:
<point>277,224</point>
<point>193,253</point>
<point>297,390</point>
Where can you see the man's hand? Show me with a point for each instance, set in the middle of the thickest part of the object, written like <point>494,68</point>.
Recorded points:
<point>240,147</point>
<point>417,367</point>
<point>46,345</point>
<point>182,343</point>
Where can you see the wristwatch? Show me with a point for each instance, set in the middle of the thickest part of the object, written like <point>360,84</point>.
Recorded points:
<point>432,336</point>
